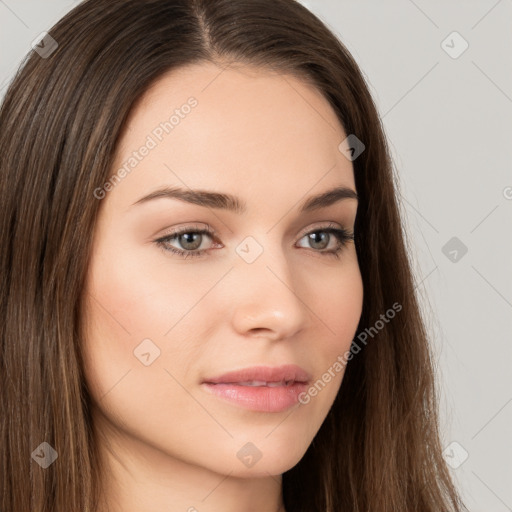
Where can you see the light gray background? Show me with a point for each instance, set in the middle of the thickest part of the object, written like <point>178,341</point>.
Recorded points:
<point>448,122</point>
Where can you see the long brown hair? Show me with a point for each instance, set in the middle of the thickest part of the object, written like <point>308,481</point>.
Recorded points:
<point>379,448</point>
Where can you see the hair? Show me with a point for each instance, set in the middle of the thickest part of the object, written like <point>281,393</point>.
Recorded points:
<point>379,447</point>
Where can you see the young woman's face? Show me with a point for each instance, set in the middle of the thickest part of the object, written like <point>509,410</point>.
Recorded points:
<point>263,288</point>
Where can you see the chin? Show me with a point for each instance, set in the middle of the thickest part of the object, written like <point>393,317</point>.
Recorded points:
<point>268,458</point>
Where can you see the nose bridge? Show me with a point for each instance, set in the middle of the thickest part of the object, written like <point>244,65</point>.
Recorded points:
<point>267,297</point>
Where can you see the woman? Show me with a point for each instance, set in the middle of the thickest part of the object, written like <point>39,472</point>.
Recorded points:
<point>207,302</point>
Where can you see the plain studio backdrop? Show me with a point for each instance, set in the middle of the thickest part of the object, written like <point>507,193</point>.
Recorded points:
<point>441,75</point>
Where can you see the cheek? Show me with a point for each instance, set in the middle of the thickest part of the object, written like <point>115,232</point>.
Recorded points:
<point>343,311</point>
<point>338,305</point>
<point>134,308</point>
<point>139,296</point>
<point>131,303</point>
<point>338,310</point>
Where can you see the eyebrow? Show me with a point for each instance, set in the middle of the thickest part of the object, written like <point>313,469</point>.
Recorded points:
<point>232,203</point>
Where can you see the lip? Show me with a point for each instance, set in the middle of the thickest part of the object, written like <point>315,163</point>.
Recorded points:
<point>260,398</point>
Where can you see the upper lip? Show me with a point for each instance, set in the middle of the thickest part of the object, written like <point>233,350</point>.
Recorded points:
<point>288,372</point>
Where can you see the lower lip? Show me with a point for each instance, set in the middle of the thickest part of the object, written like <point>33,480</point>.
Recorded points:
<point>259,398</point>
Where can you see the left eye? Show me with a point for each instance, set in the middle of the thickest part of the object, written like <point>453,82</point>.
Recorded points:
<point>320,239</point>
<point>191,240</point>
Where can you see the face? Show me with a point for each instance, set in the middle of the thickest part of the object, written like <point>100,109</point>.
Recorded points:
<point>182,289</point>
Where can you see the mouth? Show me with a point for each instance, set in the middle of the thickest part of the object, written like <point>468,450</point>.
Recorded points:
<point>260,383</point>
<point>262,389</point>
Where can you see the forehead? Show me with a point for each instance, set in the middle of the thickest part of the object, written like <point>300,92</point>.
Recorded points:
<point>247,125</point>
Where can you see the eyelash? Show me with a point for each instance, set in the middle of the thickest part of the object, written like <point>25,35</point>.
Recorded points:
<point>343,236</point>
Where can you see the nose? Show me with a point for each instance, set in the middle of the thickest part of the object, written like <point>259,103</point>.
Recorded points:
<point>267,299</point>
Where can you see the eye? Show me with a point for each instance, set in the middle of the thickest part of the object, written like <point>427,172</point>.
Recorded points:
<point>190,240</point>
<point>331,235</point>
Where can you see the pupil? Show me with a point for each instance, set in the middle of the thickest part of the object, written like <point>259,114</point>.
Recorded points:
<point>316,237</point>
<point>189,239</point>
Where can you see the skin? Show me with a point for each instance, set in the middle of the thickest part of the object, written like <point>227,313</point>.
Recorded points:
<point>271,140</point>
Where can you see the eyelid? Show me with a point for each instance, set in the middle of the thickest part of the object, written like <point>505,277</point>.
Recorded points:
<point>189,227</point>
<point>321,226</point>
